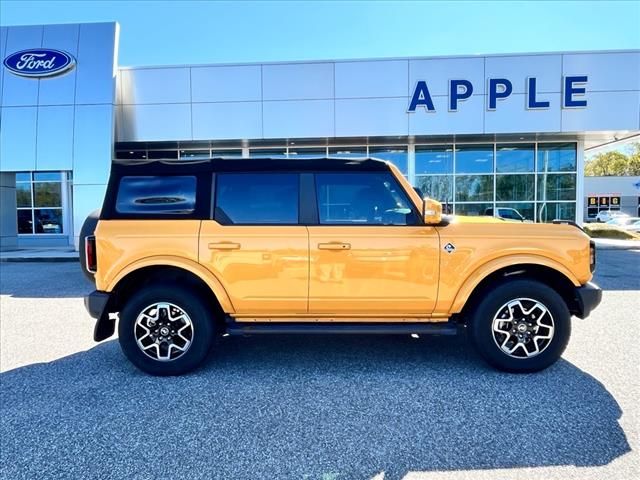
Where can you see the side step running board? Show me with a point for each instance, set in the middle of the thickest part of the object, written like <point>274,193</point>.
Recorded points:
<point>448,328</point>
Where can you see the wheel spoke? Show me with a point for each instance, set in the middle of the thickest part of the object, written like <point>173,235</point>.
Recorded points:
<point>523,327</point>
<point>158,326</point>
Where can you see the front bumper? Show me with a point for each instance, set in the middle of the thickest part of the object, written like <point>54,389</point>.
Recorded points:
<point>96,304</point>
<point>587,297</point>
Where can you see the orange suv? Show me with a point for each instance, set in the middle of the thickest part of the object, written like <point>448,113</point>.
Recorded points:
<point>184,252</point>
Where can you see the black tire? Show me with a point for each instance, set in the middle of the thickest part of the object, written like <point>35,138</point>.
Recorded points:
<point>493,303</point>
<point>196,308</point>
<point>88,228</point>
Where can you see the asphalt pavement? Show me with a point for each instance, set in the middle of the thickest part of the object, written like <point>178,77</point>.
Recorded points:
<point>324,408</point>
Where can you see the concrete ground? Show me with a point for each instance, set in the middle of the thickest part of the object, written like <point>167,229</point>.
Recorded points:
<point>313,407</point>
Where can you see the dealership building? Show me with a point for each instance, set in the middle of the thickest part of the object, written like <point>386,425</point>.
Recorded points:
<point>476,132</point>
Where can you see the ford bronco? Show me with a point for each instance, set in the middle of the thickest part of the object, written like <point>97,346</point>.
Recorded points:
<point>182,253</point>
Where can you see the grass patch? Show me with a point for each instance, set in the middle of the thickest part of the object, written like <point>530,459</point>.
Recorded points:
<point>602,230</point>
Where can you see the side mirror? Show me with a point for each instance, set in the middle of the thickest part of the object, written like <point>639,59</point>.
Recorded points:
<point>431,211</point>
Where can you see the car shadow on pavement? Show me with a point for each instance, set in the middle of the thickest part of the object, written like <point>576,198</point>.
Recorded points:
<point>311,407</point>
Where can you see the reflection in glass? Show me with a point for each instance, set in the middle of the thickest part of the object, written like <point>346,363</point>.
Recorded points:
<point>47,194</point>
<point>514,187</point>
<point>474,159</point>
<point>227,153</point>
<point>257,198</point>
<point>268,152</point>
<point>156,195</point>
<point>367,198</point>
<point>25,222</point>
<point>514,158</point>
<point>131,154</point>
<point>194,154</point>
<point>48,220</point>
<point>23,177</point>
<point>396,155</point>
<point>307,152</point>
<point>556,186</point>
<point>23,194</point>
<point>547,212</point>
<point>473,209</point>
<point>556,157</point>
<point>163,154</point>
<point>474,188</point>
<point>348,152</point>
<point>439,187</point>
<point>47,177</point>
<point>434,159</point>
<point>515,210</point>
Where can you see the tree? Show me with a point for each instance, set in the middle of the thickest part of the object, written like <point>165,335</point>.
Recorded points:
<point>614,163</point>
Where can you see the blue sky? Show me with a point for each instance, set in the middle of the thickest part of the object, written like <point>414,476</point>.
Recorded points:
<point>189,32</point>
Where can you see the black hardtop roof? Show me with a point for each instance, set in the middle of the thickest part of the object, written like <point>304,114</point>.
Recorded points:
<point>235,164</point>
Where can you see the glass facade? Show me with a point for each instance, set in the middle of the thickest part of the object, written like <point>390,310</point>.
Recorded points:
<point>41,202</point>
<point>533,180</point>
<point>538,180</point>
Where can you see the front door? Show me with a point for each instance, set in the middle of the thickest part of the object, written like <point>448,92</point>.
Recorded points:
<point>370,255</point>
<point>254,244</point>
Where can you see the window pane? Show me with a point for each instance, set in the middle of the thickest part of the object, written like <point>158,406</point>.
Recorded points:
<point>474,188</point>
<point>48,220</point>
<point>348,152</point>
<point>515,211</point>
<point>46,176</point>
<point>514,187</point>
<point>439,187</point>
<point>23,194</point>
<point>396,155</point>
<point>131,154</point>
<point>257,198</point>
<point>194,154</point>
<point>47,194</point>
<point>514,158</point>
<point>23,177</point>
<point>557,187</point>
<point>307,152</point>
<point>473,209</point>
<point>438,159</point>
<point>556,157</point>
<point>474,159</point>
<point>25,223</point>
<point>547,212</point>
<point>268,152</point>
<point>362,199</point>
<point>157,195</point>
<point>227,153</point>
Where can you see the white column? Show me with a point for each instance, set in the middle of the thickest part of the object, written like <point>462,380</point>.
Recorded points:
<point>411,164</point>
<point>580,182</point>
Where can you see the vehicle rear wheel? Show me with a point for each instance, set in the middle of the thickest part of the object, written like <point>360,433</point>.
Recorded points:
<point>166,330</point>
<point>521,326</point>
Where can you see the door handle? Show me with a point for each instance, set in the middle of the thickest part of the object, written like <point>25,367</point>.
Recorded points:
<point>334,246</point>
<point>224,246</point>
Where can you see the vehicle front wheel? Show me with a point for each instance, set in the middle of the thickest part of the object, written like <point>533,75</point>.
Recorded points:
<point>521,326</point>
<point>166,330</point>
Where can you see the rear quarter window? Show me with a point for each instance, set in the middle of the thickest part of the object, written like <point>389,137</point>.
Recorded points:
<point>156,195</point>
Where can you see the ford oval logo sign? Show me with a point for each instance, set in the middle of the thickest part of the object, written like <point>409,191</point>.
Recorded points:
<point>39,62</point>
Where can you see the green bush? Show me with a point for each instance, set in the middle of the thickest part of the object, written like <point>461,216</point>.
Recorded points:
<point>602,230</point>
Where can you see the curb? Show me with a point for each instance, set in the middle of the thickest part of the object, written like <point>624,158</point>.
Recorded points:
<point>39,260</point>
<point>618,247</point>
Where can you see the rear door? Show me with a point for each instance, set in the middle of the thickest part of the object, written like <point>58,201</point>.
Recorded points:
<point>255,245</point>
<point>370,253</point>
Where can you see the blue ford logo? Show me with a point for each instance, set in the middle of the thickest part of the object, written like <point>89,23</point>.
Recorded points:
<point>39,62</point>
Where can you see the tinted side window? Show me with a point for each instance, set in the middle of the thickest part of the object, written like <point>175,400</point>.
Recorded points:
<point>368,198</point>
<point>257,198</point>
<point>160,195</point>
